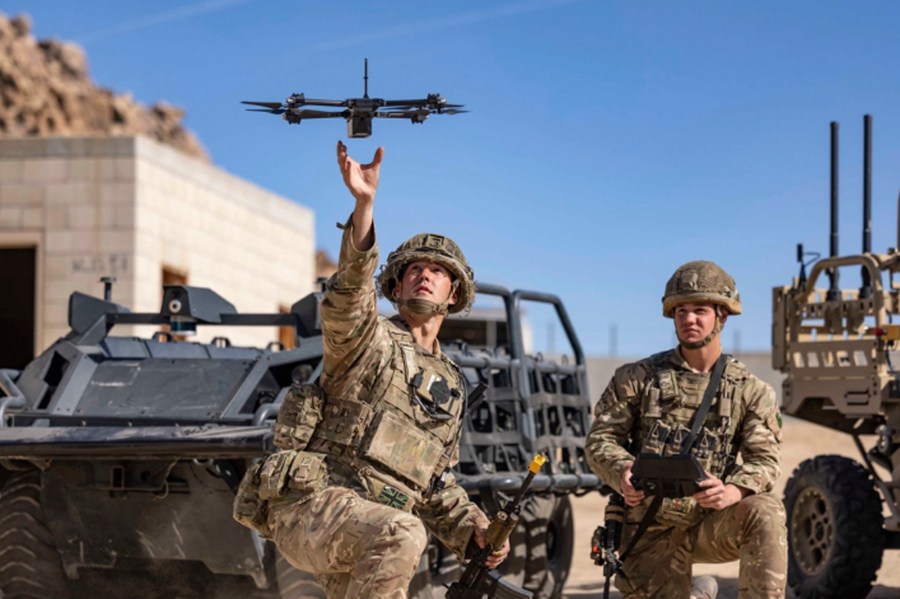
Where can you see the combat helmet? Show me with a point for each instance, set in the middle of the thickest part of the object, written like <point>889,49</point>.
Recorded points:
<point>701,281</point>
<point>428,247</point>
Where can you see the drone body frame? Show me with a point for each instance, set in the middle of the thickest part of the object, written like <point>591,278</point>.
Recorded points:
<point>358,112</point>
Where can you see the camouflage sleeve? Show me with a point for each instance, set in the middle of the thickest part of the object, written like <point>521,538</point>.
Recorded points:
<point>759,439</point>
<point>614,417</point>
<point>349,314</point>
<point>452,517</point>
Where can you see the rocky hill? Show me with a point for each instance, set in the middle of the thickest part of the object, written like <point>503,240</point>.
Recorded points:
<point>45,90</point>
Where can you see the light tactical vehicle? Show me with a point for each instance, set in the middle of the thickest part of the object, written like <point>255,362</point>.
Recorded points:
<point>121,455</point>
<point>838,348</point>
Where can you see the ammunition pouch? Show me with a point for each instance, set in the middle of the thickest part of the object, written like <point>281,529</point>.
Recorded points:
<point>248,509</point>
<point>286,475</point>
<point>274,474</point>
<point>671,477</point>
<point>298,416</point>
<point>308,472</point>
<point>345,421</point>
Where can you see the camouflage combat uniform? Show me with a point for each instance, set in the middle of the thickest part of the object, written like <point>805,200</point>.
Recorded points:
<point>390,428</point>
<point>648,405</point>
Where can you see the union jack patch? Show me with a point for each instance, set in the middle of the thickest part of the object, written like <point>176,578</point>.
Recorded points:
<point>391,497</point>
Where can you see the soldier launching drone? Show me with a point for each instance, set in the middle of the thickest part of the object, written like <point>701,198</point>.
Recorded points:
<point>697,410</point>
<point>366,456</point>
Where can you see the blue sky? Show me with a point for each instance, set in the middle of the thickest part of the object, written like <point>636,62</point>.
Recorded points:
<point>607,143</point>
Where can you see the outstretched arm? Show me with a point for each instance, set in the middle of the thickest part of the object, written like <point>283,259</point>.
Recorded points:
<point>362,181</point>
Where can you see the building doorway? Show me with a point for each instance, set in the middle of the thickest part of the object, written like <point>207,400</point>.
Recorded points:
<point>17,306</point>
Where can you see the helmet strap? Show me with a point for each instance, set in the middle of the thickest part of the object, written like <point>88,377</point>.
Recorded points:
<point>709,338</point>
<point>425,307</point>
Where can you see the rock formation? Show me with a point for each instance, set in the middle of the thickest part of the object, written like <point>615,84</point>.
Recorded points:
<point>45,90</point>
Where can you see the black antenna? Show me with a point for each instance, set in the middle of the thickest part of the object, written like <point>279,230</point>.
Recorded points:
<point>366,78</point>
<point>107,286</point>
<point>866,289</point>
<point>834,291</point>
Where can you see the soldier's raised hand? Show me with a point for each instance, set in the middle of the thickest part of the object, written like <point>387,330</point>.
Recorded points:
<point>360,179</point>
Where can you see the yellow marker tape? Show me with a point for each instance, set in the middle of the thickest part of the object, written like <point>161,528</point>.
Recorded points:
<point>538,461</point>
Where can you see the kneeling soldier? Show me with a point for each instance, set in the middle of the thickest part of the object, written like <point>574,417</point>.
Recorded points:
<point>650,406</point>
<point>352,497</point>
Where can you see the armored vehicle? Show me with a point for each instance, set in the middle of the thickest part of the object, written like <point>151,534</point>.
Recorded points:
<point>121,455</point>
<point>837,348</point>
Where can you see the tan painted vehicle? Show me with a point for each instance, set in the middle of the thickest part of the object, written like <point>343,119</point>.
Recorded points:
<point>838,349</point>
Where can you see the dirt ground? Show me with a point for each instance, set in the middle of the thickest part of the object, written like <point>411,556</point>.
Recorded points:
<point>802,440</point>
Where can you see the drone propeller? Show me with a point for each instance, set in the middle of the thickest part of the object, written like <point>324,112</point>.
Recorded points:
<point>451,111</point>
<point>270,106</point>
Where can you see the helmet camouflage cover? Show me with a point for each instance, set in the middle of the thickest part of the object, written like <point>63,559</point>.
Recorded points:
<point>701,282</point>
<point>428,247</point>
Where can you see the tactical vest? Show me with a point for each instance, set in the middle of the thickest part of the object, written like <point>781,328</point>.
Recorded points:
<point>395,441</point>
<point>669,401</point>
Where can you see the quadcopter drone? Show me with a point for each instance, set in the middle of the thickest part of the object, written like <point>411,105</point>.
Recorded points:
<point>358,112</point>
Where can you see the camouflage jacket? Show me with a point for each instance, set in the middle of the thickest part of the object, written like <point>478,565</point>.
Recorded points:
<point>651,403</point>
<point>369,361</point>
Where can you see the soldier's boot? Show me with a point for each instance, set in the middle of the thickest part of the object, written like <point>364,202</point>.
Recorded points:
<point>704,587</point>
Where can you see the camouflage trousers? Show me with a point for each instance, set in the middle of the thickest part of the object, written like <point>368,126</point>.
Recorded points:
<point>752,531</point>
<point>357,548</point>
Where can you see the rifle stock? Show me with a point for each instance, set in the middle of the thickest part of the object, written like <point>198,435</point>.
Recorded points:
<point>503,589</point>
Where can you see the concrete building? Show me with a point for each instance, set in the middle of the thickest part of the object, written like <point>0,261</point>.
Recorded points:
<point>73,210</point>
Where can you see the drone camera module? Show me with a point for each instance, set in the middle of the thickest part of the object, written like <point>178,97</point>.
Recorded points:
<point>359,127</point>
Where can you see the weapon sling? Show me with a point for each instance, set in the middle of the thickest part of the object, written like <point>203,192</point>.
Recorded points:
<point>699,418</point>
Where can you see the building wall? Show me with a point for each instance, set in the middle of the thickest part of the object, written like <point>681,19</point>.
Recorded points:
<point>129,207</point>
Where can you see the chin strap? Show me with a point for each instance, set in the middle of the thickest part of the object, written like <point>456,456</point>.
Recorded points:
<point>705,341</point>
<point>427,307</point>
<point>423,307</point>
<point>708,339</point>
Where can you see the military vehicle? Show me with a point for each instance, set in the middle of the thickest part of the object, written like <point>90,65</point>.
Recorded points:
<point>837,347</point>
<point>120,455</point>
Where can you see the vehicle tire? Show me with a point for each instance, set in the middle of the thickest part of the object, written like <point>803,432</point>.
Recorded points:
<point>294,583</point>
<point>30,565</point>
<point>549,537</point>
<point>835,528</point>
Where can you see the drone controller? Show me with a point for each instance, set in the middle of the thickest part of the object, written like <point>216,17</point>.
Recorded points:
<point>667,476</point>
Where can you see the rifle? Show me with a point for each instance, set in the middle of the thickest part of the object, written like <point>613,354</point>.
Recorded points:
<point>478,580</point>
<point>606,539</point>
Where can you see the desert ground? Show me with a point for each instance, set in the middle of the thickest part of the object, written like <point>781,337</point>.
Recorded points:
<point>802,440</point>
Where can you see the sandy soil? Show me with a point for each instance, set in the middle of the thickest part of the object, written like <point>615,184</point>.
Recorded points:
<point>802,440</point>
